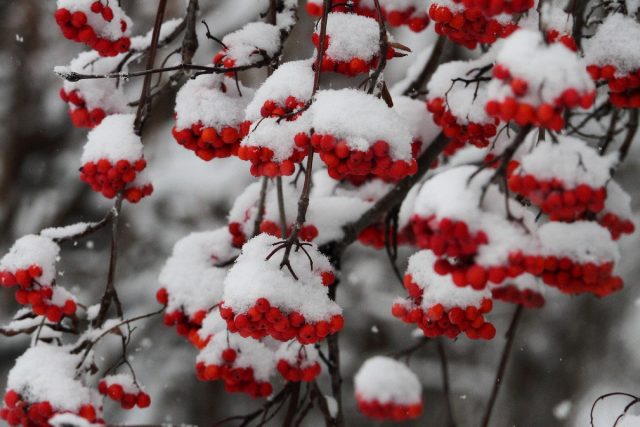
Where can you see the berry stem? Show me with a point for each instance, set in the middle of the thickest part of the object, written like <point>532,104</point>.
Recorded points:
<point>281,208</point>
<point>444,366</point>
<point>510,335</point>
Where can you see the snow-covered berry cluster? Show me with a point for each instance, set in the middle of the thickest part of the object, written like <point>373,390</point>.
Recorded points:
<point>357,134</point>
<point>616,215</point>
<point>388,390</point>
<point>112,160</point>
<point>462,218</point>
<point>210,116</point>
<point>30,266</point>
<point>262,299</point>
<point>243,364</point>
<point>350,52</point>
<point>298,362</point>
<point>524,290</point>
<point>534,83</point>
<point>103,26</point>
<point>123,389</point>
<point>192,281</point>
<point>615,61</point>
<point>469,26</point>
<point>457,95</point>
<point>566,180</point>
<point>438,306</point>
<point>410,13</point>
<point>90,101</point>
<point>43,385</point>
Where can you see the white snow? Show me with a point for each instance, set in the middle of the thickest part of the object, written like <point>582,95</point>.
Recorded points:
<point>113,139</point>
<point>253,277</point>
<point>387,380</point>
<point>616,42</point>
<point>581,241</point>
<point>418,120</point>
<point>190,276</point>
<point>278,135</point>
<point>213,100</point>
<point>48,373</point>
<point>246,45</point>
<point>352,36</point>
<point>570,160</point>
<point>33,250</point>
<point>361,120</point>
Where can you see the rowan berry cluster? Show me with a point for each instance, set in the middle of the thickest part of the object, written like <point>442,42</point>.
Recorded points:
<point>81,116</point>
<point>512,294</point>
<point>96,28</point>
<point>208,142</point>
<point>109,178</point>
<point>388,411</point>
<point>263,320</point>
<point>468,27</point>
<point>351,67</point>
<point>477,134</point>
<point>122,389</point>
<point>20,412</point>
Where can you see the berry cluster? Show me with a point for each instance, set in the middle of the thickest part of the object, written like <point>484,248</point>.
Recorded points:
<point>388,411</point>
<point>81,116</point>
<point>497,7</point>
<point>271,108</point>
<point>616,225</point>
<point>19,412</point>
<point>186,326</point>
<point>571,276</point>
<point>307,232</point>
<point>548,115</point>
<point>39,296</point>
<point>555,36</point>
<point>468,27</point>
<point>351,67</point>
<point>410,16</point>
<point>236,379</point>
<point>262,319</point>
<point>262,163</point>
<point>128,394</point>
<point>624,88</point>
<point>477,134</point>
<point>342,161</point>
<point>76,26</point>
<point>557,201</point>
<point>447,237</point>
<point>373,236</point>
<point>437,320</point>
<point>109,178</point>
<point>298,372</point>
<point>222,59</point>
<point>527,298</point>
<point>209,143</point>
<point>238,237</point>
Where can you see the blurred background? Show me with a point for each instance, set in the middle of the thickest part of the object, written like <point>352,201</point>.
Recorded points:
<point>565,354</point>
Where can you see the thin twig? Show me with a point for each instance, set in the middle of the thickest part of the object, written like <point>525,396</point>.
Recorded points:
<point>444,366</point>
<point>510,335</point>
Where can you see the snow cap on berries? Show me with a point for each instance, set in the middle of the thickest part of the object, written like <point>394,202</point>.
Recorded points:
<point>113,139</point>
<point>192,280</point>
<point>48,373</point>
<point>291,79</point>
<point>456,193</point>
<point>615,43</point>
<point>352,36</point>
<point>277,135</point>
<point>32,250</point>
<point>388,381</point>
<point>253,277</point>
<point>417,119</point>
<point>548,70</point>
<point>250,353</point>
<point>212,100</point>
<point>361,120</point>
<point>439,289</point>
<point>581,241</point>
<point>248,44</point>
<point>465,101</point>
<point>570,160</point>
